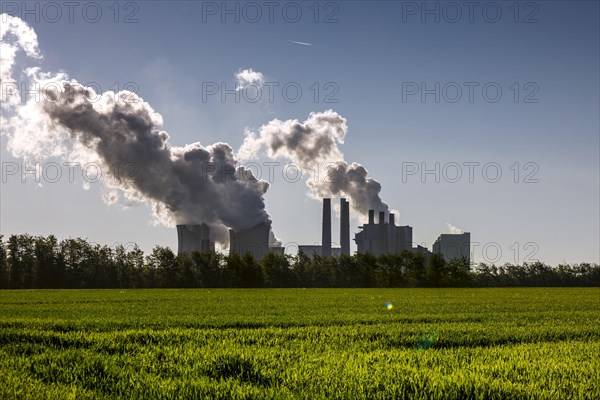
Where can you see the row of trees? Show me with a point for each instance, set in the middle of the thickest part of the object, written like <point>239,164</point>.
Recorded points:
<point>44,262</point>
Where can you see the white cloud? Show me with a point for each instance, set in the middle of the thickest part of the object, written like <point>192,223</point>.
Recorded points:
<point>249,77</point>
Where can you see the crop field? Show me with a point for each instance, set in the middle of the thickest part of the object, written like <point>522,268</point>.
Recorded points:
<point>541,343</point>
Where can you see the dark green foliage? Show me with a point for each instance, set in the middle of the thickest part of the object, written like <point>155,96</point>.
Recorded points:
<point>28,262</point>
<point>4,271</point>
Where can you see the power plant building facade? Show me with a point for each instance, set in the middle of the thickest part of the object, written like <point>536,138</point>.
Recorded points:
<point>310,251</point>
<point>453,246</point>
<point>384,237</point>
<point>381,238</point>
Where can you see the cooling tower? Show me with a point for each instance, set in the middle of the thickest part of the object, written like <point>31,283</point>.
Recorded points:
<point>345,226</point>
<point>194,238</point>
<point>253,240</point>
<point>326,240</point>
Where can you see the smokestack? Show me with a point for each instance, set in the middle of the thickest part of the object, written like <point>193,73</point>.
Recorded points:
<point>326,240</point>
<point>345,227</point>
<point>381,217</point>
<point>392,221</point>
<point>371,217</point>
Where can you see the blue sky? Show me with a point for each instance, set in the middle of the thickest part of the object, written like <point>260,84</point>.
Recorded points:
<point>365,58</point>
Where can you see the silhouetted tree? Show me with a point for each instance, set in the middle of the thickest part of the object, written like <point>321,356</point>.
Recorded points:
<point>4,271</point>
<point>43,262</point>
<point>414,274</point>
<point>436,271</point>
<point>209,268</point>
<point>163,262</point>
<point>365,264</point>
<point>21,255</point>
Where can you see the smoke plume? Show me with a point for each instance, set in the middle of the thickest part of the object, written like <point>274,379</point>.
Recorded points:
<point>453,229</point>
<point>122,133</point>
<point>313,144</point>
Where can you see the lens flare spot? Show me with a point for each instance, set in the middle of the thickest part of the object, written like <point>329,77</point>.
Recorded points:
<point>389,306</point>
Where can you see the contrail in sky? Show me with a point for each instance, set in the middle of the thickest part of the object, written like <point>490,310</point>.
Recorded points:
<point>302,43</point>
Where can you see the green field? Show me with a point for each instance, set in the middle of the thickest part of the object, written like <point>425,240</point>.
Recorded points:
<point>295,343</point>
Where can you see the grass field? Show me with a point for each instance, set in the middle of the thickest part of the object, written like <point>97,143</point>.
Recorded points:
<point>539,343</point>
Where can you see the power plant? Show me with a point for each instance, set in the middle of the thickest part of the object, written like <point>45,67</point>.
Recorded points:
<point>381,238</point>
<point>453,246</point>
<point>344,227</point>
<point>326,249</point>
<point>377,238</point>
<point>254,240</point>
<point>326,229</point>
<point>194,238</point>
<point>384,237</point>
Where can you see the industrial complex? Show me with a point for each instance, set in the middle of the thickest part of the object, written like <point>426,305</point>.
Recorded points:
<point>377,238</point>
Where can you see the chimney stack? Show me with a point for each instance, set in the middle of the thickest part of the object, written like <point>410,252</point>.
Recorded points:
<point>345,226</point>
<point>381,217</point>
<point>371,217</point>
<point>392,221</point>
<point>326,239</point>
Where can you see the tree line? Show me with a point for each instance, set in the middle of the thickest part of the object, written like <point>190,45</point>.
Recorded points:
<point>28,262</point>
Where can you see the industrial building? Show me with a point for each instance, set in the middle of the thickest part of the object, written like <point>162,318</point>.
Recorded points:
<point>423,251</point>
<point>383,237</point>
<point>453,246</point>
<point>254,240</point>
<point>344,227</point>
<point>380,238</point>
<point>326,229</point>
<point>194,238</point>
<point>325,249</point>
<point>278,250</point>
<point>317,250</point>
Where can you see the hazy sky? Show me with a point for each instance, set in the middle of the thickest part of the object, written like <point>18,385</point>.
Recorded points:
<point>491,87</point>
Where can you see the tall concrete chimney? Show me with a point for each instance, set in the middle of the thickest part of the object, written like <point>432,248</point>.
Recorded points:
<point>345,227</point>
<point>381,217</point>
<point>326,240</point>
<point>392,221</point>
<point>371,217</point>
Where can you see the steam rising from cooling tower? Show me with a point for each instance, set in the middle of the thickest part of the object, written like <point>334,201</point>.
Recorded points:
<point>189,185</point>
<point>193,184</point>
<point>314,144</point>
<point>454,229</point>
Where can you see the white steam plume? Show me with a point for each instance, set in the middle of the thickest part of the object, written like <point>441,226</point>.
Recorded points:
<point>122,133</point>
<point>314,143</point>
<point>453,229</point>
<point>23,39</point>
